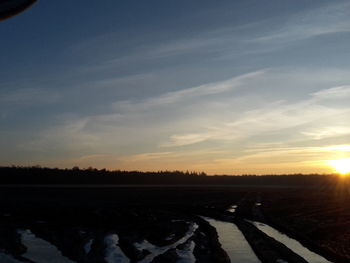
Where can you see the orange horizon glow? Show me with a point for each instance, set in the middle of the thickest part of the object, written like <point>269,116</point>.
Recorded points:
<point>341,166</point>
<point>330,159</point>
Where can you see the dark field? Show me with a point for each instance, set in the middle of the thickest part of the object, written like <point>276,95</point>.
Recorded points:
<point>320,219</point>
<point>68,217</point>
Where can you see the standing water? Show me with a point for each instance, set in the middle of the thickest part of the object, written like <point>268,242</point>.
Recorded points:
<point>233,242</point>
<point>291,243</point>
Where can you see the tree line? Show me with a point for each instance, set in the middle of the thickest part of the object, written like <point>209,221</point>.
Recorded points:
<point>75,175</point>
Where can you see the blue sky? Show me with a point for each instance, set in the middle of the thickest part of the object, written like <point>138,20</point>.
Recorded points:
<point>214,86</point>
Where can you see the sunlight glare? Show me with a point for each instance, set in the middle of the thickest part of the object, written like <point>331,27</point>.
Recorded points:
<point>342,166</point>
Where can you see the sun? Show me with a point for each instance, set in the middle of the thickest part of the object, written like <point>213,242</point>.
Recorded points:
<point>342,166</point>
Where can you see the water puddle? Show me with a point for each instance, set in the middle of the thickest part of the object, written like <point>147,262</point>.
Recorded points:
<point>113,252</point>
<point>233,242</point>
<point>41,251</point>
<point>156,251</point>
<point>291,243</point>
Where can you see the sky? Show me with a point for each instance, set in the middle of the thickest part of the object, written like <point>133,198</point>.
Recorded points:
<point>224,87</point>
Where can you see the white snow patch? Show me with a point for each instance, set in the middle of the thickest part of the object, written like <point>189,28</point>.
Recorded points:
<point>87,246</point>
<point>232,209</point>
<point>113,253</point>
<point>186,254</point>
<point>156,251</point>
<point>41,251</point>
<point>170,237</point>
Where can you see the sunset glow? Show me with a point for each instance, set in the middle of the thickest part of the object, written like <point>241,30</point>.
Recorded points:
<point>196,85</point>
<point>342,166</point>
<point>169,131</point>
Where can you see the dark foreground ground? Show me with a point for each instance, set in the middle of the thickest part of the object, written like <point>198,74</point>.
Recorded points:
<point>69,217</point>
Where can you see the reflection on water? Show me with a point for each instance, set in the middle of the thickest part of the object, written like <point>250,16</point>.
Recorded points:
<point>41,251</point>
<point>291,243</point>
<point>233,242</point>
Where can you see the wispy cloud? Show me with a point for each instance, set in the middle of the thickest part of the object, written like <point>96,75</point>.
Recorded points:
<point>272,118</point>
<point>180,96</point>
<point>342,92</point>
<point>147,156</point>
<point>327,132</point>
<point>213,125</point>
<point>139,93</point>
<point>327,19</point>
<point>227,41</point>
<point>29,96</point>
<point>187,139</point>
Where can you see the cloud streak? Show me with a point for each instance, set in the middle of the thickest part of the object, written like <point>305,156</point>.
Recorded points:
<point>201,117</point>
<point>180,96</point>
<point>329,19</point>
<point>273,118</point>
